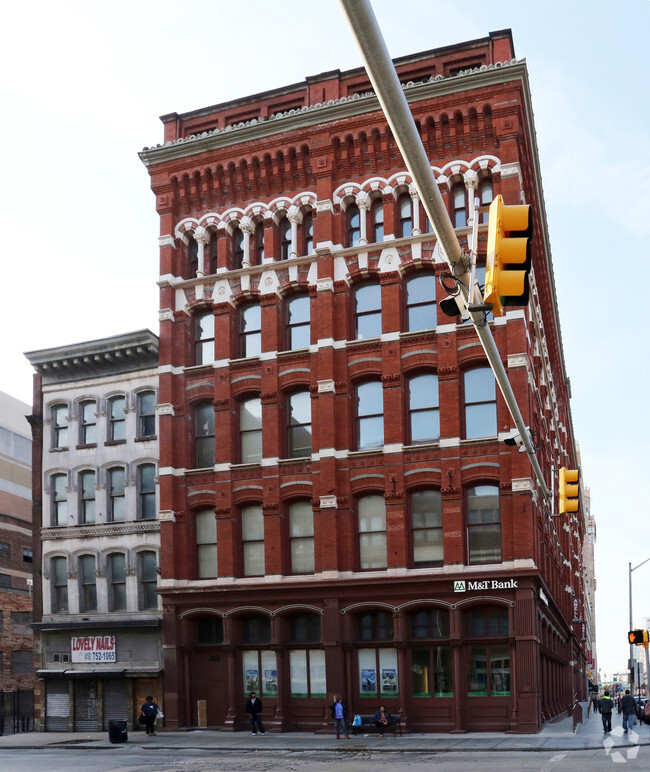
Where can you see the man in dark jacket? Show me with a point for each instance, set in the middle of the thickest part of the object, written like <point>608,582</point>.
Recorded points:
<point>339,710</point>
<point>149,710</point>
<point>254,709</point>
<point>606,705</point>
<point>628,709</point>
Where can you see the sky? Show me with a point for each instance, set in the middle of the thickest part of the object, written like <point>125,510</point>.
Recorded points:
<point>82,86</point>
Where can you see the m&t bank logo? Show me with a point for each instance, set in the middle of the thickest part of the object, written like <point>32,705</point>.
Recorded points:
<point>459,586</point>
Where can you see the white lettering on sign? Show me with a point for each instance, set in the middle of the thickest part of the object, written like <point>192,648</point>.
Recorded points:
<point>486,584</point>
<point>93,648</point>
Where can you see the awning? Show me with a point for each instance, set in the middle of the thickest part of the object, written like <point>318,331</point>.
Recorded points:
<point>98,673</point>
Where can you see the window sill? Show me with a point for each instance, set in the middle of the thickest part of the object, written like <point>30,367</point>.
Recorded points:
<point>115,442</point>
<point>148,438</point>
<point>59,450</point>
<point>86,446</point>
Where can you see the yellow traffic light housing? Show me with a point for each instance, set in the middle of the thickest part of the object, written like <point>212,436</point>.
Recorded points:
<point>569,491</point>
<point>510,229</point>
<point>638,637</point>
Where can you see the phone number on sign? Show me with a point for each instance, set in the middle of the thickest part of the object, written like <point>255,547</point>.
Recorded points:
<point>99,656</point>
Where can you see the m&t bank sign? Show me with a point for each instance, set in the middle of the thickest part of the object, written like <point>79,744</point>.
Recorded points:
<point>485,584</point>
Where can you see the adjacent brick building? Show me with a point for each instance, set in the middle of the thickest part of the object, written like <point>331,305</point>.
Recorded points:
<point>16,558</point>
<point>339,512</point>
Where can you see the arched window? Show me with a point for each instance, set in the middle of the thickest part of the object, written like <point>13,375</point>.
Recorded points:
<point>459,205</point>
<point>377,217</point>
<point>371,511</point>
<point>147,492</point>
<point>485,194</point>
<point>252,535</point>
<point>117,419</point>
<point>367,311</point>
<point>258,244</point>
<point>352,226</point>
<point>299,424</point>
<point>430,623</point>
<point>480,403</point>
<point>307,233</point>
<point>204,449</point>
<point>250,331</point>
<point>59,499</point>
<point>256,629</point>
<point>147,581</point>
<point>59,426</point>
<point>206,541</point>
<point>250,430</point>
<point>88,423</point>
<point>301,539</point>
<point>146,404</point>
<point>237,245</point>
<point>426,527</point>
<point>298,322</point>
<point>370,415</point>
<point>59,584</point>
<point>424,409</point>
<point>483,524</point>
<point>421,302</point>
<point>116,582</point>
<point>87,584</point>
<point>116,494</point>
<point>209,630</point>
<point>404,216</point>
<point>213,261</point>
<point>86,497</point>
<point>284,231</point>
<point>193,257</point>
<point>375,626</point>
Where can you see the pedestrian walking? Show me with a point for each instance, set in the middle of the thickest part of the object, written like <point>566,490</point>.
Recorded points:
<point>628,708</point>
<point>149,710</point>
<point>254,709</point>
<point>606,707</point>
<point>339,710</point>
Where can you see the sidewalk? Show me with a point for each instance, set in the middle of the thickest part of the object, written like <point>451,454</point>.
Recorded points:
<point>556,737</point>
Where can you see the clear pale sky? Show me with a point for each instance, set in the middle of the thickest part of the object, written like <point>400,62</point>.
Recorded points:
<point>82,84</point>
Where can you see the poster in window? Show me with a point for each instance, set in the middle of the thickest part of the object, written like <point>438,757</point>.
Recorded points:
<point>368,681</point>
<point>252,681</point>
<point>388,681</point>
<point>270,682</point>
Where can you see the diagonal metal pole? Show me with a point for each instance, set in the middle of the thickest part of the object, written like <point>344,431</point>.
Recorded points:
<point>388,89</point>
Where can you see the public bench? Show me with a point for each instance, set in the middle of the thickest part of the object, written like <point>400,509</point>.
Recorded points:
<point>368,724</point>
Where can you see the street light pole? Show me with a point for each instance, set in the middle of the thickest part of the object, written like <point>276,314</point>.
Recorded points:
<point>631,627</point>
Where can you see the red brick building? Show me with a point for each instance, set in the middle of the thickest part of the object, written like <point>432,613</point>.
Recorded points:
<point>340,514</point>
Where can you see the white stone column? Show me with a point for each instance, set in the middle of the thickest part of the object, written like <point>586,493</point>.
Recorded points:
<point>247,228</point>
<point>415,209</point>
<point>202,240</point>
<point>294,215</point>
<point>363,202</point>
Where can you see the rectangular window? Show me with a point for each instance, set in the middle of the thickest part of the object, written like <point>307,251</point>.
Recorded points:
<point>87,498</point>
<point>117,419</point>
<point>117,582</point>
<point>59,499</point>
<point>87,584</point>
<point>378,671</point>
<point>22,662</point>
<point>307,669</point>
<point>252,526</point>
<point>28,555</point>
<point>147,492</point>
<point>88,423</point>
<point>148,574</point>
<point>483,524</point>
<point>146,414</point>
<point>488,672</point>
<point>432,672</point>
<point>260,673</point>
<point>60,426</point>
<point>299,409</point>
<point>372,532</point>
<point>116,497</point>
<point>480,403</point>
<point>206,539</point>
<point>367,316</point>
<point>250,423</point>
<point>298,322</point>
<point>59,584</point>
<point>204,435</point>
<point>5,550</point>
<point>251,331</point>
<point>301,537</point>
<point>426,522</point>
<point>204,339</point>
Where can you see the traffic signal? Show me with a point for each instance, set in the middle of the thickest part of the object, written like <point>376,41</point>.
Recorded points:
<point>569,491</point>
<point>510,229</point>
<point>638,637</point>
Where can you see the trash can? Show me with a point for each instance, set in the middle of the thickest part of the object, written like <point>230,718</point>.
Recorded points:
<point>117,732</point>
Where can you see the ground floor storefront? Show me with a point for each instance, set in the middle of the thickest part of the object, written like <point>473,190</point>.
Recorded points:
<point>445,654</point>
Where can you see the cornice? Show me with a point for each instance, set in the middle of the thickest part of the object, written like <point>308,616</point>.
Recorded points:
<point>96,531</point>
<point>334,110</point>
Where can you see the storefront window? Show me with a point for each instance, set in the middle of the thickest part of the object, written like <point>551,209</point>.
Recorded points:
<point>260,672</point>
<point>378,671</point>
<point>307,668</point>
<point>488,672</point>
<point>432,672</point>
